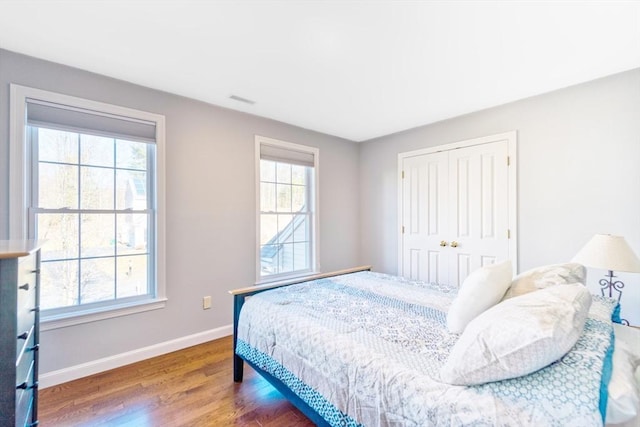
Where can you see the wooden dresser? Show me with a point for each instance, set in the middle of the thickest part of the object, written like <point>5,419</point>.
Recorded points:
<point>19,332</point>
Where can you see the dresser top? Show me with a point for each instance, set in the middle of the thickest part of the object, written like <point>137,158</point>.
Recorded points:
<point>18,248</point>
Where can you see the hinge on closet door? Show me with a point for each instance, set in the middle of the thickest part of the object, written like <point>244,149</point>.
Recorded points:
<point>402,174</point>
<point>508,161</point>
<point>508,233</point>
<point>403,229</point>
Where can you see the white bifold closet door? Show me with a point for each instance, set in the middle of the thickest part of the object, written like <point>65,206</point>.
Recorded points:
<point>454,212</point>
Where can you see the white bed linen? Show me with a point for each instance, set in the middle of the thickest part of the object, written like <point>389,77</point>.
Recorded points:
<point>627,392</point>
<point>366,349</point>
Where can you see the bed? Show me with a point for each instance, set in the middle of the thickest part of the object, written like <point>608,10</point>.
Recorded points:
<point>357,347</point>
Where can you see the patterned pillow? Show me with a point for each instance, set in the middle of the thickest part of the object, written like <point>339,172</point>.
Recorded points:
<point>543,277</point>
<point>518,336</point>
<point>482,289</point>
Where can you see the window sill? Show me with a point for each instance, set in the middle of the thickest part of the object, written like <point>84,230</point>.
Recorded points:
<point>79,317</point>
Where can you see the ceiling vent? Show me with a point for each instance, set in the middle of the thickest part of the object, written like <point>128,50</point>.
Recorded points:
<point>241,99</point>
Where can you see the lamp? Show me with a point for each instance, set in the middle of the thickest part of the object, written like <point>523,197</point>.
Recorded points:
<point>609,253</point>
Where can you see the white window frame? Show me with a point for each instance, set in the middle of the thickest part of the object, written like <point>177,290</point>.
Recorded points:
<point>20,193</point>
<point>315,241</point>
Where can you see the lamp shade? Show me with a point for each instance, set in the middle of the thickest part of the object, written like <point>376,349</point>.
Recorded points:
<point>609,253</point>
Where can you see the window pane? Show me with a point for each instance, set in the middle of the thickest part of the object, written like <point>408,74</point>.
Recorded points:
<point>58,284</point>
<point>132,233</point>
<point>298,195</point>
<point>286,258</point>
<point>131,190</point>
<point>301,231</point>
<point>285,228</point>
<point>132,276</point>
<point>97,279</point>
<point>97,235</point>
<point>269,259</point>
<point>298,174</point>
<point>57,186</point>
<point>267,171</point>
<point>96,150</point>
<point>131,155</point>
<point>268,228</point>
<point>57,146</point>
<point>300,256</point>
<point>61,233</point>
<point>267,197</point>
<point>284,173</point>
<point>97,190</point>
<point>284,198</point>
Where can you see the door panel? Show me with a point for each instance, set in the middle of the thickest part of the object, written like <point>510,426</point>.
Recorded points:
<point>424,217</point>
<point>434,195</point>
<point>434,273</point>
<point>479,181</point>
<point>460,189</point>
<point>487,196</point>
<point>461,264</point>
<point>414,263</point>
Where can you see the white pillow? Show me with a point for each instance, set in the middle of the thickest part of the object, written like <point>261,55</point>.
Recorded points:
<point>482,289</point>
<point>518,336</point>
<point>545,276</point>
<point>623,403</point>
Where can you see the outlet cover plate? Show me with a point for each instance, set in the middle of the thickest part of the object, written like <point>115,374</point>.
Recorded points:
<point>206,303</point>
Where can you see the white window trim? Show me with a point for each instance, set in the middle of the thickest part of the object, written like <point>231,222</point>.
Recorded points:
<point>102,313</point>
<point>315,246</point>
<point>19,188</point>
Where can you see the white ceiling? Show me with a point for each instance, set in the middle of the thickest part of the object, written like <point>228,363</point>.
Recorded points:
<point>354,69</point>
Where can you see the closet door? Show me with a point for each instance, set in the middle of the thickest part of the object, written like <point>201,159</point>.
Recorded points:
<point>424,217</point>
<point>456,209</point>
<point>478,208</point>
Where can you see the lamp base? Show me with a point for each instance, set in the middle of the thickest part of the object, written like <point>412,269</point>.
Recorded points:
<point>611,285</point>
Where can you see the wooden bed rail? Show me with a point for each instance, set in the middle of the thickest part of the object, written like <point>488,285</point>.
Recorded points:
<point>239,296</point>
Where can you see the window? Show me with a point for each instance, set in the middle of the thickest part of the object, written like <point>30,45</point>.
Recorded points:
<point>92,189</point>
<point>287,206</point>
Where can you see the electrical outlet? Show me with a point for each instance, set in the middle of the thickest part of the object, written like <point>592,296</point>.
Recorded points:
<point>206,303</point>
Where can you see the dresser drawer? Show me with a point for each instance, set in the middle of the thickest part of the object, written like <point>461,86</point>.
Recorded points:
<point>26,269</point>
<point>27,272</point>
<point>25,345</point>
<point>26,297</point>
<point>25,313</point>
<point>24,386</point>
<point>24,365</point>
<point>24,408</point>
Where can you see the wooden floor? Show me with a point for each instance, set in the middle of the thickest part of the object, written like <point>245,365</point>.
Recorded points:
<point>191,387</point>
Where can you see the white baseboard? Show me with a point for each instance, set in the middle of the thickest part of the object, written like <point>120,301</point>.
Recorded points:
<point>49,379</point>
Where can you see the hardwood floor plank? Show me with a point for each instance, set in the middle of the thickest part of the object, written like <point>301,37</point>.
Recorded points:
<point>190,387</point>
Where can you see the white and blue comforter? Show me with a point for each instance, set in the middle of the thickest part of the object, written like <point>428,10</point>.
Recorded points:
<point>366,349</point>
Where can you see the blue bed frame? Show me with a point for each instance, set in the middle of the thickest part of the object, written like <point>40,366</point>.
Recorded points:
<point>239,297</point>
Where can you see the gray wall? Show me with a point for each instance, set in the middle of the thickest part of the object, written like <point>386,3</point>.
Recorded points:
<point>210,200</point>
<point>578,174</point>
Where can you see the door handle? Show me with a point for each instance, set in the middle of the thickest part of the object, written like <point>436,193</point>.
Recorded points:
<point>443,243</point>
<point>454,244</point>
